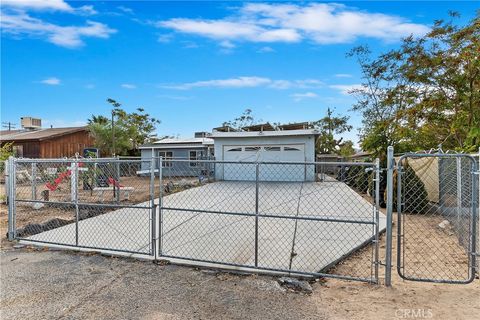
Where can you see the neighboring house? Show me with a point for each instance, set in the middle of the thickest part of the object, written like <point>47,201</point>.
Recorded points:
<point>187,151</point>
<point>47,143</point>
<point>268,146</point>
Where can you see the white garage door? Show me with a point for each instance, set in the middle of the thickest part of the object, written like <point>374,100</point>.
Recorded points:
<point>265,153</point>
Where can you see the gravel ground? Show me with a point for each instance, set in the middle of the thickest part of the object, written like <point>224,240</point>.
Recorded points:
<point>49,284</point>
<point>46,284</point>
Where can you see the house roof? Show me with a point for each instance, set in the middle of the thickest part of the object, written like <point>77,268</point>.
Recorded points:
<point>224,129</point>
<point>37,135</point>
<point>259,127</point>
<point>176,143</point>
<point>361,154</point>
<point>249,134</point>
<point>295,126</point>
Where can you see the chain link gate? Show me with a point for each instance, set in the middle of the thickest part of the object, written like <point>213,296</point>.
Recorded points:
<point>297,218</point>
<point>436,200</point>
<point>98,204</point>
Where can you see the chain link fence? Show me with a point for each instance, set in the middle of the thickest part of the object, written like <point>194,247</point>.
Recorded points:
<point>90,203</point>
<point>287,217</point>
<point>299,218</point>
<point>437,218</point>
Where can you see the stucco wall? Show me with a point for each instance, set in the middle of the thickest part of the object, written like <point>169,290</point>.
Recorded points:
<point>307,141</point>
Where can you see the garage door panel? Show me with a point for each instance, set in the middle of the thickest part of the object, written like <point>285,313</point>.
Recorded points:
<point>265,153</point>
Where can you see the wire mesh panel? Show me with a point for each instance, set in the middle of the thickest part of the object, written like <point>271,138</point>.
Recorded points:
<point>290,217</point>
<point>437,199</point>
<point>90,203</point>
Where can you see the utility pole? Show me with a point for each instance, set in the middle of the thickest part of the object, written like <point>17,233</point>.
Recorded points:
<point>8,125</point>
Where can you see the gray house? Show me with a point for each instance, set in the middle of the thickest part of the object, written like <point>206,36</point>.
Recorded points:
<point>288,146</point>
<point>185,151</point>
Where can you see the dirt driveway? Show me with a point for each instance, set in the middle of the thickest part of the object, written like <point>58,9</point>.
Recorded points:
<point>41,284</point>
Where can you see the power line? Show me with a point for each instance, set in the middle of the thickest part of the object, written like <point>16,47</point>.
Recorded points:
<point>8,125</point>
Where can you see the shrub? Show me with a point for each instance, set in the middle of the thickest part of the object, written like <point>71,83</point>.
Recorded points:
<point>361,180</point>
<point>414,193</point>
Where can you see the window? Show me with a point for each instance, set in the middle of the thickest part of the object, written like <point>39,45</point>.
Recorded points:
<point>166,155</point>
<point>252,148</point>
<point>194,155</point>
<point>235,149</point>
<point>290,149</point>
<point>272,148</point>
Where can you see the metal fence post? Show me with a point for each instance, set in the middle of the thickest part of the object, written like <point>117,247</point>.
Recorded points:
<point>117,177</point>
<point>77,211</point>
<point>257,175</point>
<point>475,208</point>
<point>377,215</point>
<point>153,207</point>
<point>160,206</point>
<point>388,253</point>
<point>459,194</point>
<point>11,198</point>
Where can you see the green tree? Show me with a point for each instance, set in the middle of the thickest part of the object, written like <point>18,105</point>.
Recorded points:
<point>346,149</point>
<point>244,120</point>
<point>329,127</point>
<point>425,93</point>
<point>124,132</point>
<point>5,152</point>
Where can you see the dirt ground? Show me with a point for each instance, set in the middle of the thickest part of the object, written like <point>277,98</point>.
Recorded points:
<point>40,283</point>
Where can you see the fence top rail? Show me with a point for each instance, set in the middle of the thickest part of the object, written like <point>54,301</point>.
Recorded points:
<point>89,160</point>
<point>123,160</point>
<point>373,163</point>
<point>436,155</point>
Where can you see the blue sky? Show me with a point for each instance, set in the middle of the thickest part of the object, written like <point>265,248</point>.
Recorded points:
<point>194,65</point>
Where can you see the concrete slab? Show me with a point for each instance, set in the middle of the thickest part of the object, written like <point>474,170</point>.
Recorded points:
<point>300,245</point>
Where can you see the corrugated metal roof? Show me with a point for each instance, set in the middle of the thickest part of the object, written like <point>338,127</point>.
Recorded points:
<point>41,134</point>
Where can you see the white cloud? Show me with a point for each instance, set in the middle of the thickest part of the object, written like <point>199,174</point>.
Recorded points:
<point>128,86</point>
<point>227,44</point>
<point>265,49</point>
<point>248,82</point>
<point>345,89</point>
<point>52,5</point>
<point>229,30</point>
<point>125,9</point>
<point>38,4</point>
<point>86,10</point>
<point>51,81</point>
<point>343,75</point>
<point>240,82</point>
<point>302,96</point>
<point>325,23</point>
<point>305,83</point>
<point>22,24</point>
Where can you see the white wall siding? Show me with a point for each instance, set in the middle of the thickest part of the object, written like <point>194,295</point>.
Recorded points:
<point>281,172</point>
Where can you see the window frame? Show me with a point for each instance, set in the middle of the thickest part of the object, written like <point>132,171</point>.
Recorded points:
<point>165,157</point>
<point>194,163</point>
